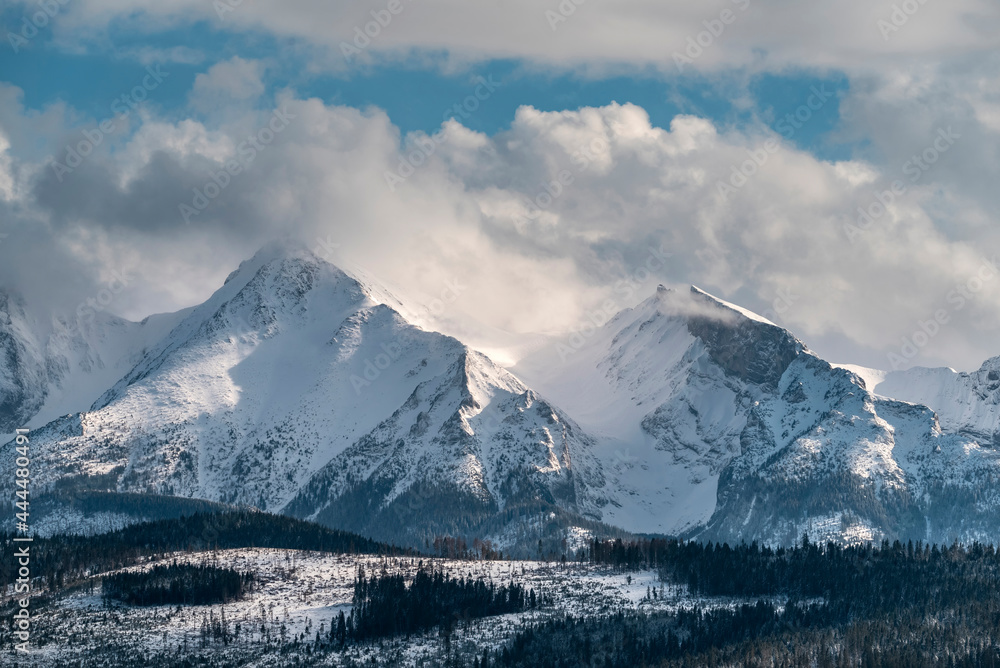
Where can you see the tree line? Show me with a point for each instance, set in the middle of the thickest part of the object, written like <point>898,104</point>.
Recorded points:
<point>386,605</point>
<point>830,606</point>
<point>178,584</point>
<point>64,559</point>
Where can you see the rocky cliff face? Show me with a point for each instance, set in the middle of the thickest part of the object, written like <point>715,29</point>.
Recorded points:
<point>23,372</point>
<point>756,438</point>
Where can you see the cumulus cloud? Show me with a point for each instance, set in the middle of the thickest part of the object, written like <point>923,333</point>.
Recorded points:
<point>233,80</point>
<point>531,228</point>
<point>538,223</point>
<point>781,223</point>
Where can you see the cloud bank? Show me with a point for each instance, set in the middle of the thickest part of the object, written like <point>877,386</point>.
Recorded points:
<point>537,224</point>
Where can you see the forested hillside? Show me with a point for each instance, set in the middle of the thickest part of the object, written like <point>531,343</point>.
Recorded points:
<point>61,560</point>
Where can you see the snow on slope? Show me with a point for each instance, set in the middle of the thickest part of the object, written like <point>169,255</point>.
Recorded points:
<point>297,387</point>
<point>967,403</point>
<point>718,423</point>
<point>871,377</point>
<point>651,385</point>
<point>23,376</point>
<point>964,403</point>
<point>48,372</point>
<point>293,368</point>
<point>88,357</point>
<point>301,593</point>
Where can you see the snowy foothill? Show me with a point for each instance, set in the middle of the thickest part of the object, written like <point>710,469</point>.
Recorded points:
<point>300,593</point>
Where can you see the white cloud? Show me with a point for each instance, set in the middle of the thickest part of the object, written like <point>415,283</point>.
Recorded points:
<point>765,33</point>
<point>538,222</point>
<point>234,80</point>
<point>6,170</point>
<point>464,212</point>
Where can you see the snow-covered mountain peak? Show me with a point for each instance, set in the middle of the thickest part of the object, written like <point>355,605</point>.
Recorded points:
<point>296,382</point>
<point>703,297</point>
<point>58,366</point>
<point>965,402</point>
<point>991,368</point>
<point>305,387</point>
<point>739,341</point>
<point>697,303</point>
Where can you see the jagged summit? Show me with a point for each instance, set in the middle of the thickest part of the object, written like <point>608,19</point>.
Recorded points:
<point>294,388</point>
<point>705,298</point>
<point>694,301</point>
<point>739,341</point>
<point>965,402</point>
<point>303,388</point>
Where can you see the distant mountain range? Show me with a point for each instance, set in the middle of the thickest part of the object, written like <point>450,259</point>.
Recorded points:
<point>300,389</point>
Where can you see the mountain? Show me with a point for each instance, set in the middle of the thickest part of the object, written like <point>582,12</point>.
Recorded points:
<point>302,389</point>
<point>966,403</point>
<point>294,388</point>
<point>659,387</point>
<point>48,371</point>
<point>23,373</point>
<point>720,425</point>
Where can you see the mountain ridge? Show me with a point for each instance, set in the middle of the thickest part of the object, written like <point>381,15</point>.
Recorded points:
<point>295,388</point>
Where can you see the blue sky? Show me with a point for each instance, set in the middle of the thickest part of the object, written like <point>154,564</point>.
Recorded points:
<point>414,94</point>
